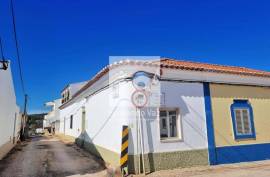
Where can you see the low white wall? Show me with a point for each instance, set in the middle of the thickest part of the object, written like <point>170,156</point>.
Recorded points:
<point>65,114</point>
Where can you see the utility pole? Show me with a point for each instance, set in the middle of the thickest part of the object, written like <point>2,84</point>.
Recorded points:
<point>24,118</point>
<point>25,103</point>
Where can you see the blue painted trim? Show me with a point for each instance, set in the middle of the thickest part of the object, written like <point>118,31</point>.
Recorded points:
<point>242,104</point>
<point>209,124</point>
<point>243,153</point>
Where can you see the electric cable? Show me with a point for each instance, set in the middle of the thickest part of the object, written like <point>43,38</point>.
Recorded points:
<point>17,47</point>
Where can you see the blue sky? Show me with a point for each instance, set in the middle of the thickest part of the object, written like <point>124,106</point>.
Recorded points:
<point>64,41</point>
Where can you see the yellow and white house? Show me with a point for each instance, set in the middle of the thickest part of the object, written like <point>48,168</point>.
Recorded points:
<point>240,115</point>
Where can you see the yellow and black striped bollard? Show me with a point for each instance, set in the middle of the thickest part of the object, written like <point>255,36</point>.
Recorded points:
<point>124,151</point>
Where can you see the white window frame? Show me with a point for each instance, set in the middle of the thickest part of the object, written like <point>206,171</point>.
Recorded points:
<point>178,125</point>
<point>242,121</point>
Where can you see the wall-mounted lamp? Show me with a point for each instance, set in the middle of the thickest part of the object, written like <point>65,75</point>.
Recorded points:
<point>4,64</point>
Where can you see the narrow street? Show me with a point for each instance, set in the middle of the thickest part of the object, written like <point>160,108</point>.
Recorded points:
<point>49,157</point>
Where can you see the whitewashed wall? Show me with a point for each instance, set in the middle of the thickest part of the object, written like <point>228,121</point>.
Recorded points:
<point>61,124</point>
<point>53,115</point>
<point>75,110</point>
<point>8,108</point>
<point>105,116</point>
<point>189,99</point>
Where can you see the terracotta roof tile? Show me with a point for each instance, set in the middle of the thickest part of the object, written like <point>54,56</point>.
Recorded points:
<point>196,66</point>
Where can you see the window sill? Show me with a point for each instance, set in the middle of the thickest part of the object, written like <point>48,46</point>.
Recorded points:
<point>244,137</point>
<point>170,140</point>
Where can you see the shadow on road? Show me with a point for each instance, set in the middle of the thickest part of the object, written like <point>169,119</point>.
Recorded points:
<point>47,156</point>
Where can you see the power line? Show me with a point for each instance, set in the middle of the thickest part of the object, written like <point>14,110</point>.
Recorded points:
<point>17,46</point>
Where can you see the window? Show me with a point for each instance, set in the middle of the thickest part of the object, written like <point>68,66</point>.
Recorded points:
<point>65,96</point>
<point>63,99</point>
<point>243,125</point>
<point>242,119</point>
<point>68,95</point>
<point>71,122</point>
<point>169,124</point>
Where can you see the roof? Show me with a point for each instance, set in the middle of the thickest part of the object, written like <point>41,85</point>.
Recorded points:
<point>206,67</point>
<point>76,85</point>
<point>56,102</point>
<point>181,65</point>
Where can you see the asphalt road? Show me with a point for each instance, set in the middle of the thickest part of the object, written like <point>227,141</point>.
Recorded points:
<point>49,157</point>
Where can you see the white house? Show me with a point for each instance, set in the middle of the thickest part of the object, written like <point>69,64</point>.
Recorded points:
<point>10,118</point>
<point>67,93</point>
<point>52,119</point>
<point>175,129</point>
<point>186,114</point>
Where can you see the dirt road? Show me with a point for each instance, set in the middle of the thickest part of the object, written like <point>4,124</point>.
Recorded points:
<point>49,157</point>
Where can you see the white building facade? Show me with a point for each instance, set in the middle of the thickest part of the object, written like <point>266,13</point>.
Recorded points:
<point>173,130</point>
<point>10,118</point>
<point>52,119</point>
<point>67,94</point>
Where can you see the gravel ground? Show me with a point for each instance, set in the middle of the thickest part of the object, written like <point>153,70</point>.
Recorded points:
<point>49,157</point>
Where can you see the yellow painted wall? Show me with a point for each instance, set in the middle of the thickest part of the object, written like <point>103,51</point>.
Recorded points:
<point>222,97</point>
